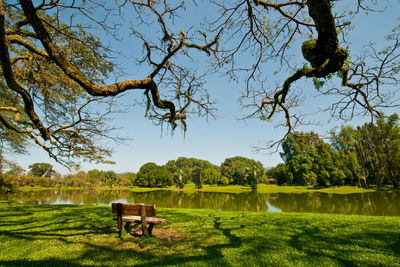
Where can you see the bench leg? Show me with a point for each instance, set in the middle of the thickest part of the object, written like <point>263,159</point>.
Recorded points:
<point>128,227</point>
<point>144,229</point>
<point>119,226</point>
<point>151,225</point>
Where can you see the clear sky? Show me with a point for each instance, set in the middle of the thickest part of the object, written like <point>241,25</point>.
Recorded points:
<point>218,139</point>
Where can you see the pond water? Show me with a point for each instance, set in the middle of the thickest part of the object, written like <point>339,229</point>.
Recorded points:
<point>382,203</point>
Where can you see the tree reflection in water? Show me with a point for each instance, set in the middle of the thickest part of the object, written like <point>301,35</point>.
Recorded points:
<point>381,203</point>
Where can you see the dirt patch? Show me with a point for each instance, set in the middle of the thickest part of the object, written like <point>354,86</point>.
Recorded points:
<point>168,234</point>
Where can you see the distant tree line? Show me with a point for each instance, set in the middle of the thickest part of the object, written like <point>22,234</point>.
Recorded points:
<point>235,171</point>
<point>362,156</point>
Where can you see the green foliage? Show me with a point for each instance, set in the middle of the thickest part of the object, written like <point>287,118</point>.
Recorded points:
<point>127,178</point>
<point>94,174</point>
<point>372,150</point>
<point>213,176</point>
<point>280,174</point>
<point>152,175</point>
<point>41,169</point>
<point>185,170</point>
<point>311,161</point>
<point>182,162</point>
<point>242,171</point>
<point>109,178</point>
<point>79,179</point>
<point>15,181</point>
<point>197,177</point>
<point>318,83</point>
<point>367,155</point>
<point>61,100</point>
<point>3,185</point>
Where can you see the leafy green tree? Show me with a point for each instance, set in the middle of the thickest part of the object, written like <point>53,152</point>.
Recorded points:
<point>180,175</point>
<point>197,177</point>
<point>94,177</point>
<point>78,179</point>
<point>41,169</point>
<point>389,136</point>
<point>213,176</point>
<point>152,175</point>
<point>131,177</point>
<point>311,161</point>
<point>94,174</point>
<point>280,174</point>
<point>299,153</point>
<point>109,178</point>
<point>56,64</point>
<point>182,169</point>
<point>372,151</point>
<point>182,162</point>
<point>348,140</point>
<point>241,170</point>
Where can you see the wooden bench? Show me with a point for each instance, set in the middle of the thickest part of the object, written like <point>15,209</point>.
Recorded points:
<point>141,211</point>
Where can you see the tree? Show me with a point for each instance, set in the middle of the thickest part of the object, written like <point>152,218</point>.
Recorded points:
<point>281,175</point>
<point>376,148</point>
<point>41,169</point>
<point>188,169</point>
<point>197,177</point>
<point>389,136</point>
<point>311,161</point>
<point>213,176</point>
<point>152,175</point>
<point>54,64</point>
<point>242,171</point>
<point>53,68</point>
<point>109,178</point>
<point>272,30</point>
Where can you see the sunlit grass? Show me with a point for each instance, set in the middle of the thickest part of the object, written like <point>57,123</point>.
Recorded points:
<point>70,235</point>
<point>262,189</point>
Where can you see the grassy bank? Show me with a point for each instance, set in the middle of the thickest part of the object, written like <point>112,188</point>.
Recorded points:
<point>262,189</point>
<point>86,235</point>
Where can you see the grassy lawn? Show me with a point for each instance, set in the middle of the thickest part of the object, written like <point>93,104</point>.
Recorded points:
<point>262,189</point>
<point>85,235</point>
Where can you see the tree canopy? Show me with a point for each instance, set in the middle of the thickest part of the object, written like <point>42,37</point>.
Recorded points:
<point>56,76</point>
<point>242,171</point>
<point>152,175</point>
<point>41,169</point>
<point>362,156</point>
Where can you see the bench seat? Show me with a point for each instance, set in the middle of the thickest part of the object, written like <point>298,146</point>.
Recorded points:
<point>138,219</point>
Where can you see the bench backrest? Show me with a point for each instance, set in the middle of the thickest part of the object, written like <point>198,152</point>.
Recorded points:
<point>133,209</point>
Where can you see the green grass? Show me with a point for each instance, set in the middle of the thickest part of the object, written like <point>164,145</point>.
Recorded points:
<point>71,235</point>
<point>215,188</point>
<point>262,189</point>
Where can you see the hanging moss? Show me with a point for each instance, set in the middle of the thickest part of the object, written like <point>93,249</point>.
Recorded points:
<point>310,54</point>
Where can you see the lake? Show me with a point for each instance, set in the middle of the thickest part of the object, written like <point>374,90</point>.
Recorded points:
<point>381,203</point>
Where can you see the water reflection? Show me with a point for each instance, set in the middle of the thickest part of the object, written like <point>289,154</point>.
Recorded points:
<point>375,203</point>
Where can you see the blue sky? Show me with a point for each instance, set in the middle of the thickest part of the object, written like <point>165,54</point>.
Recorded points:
<point>218,139</point>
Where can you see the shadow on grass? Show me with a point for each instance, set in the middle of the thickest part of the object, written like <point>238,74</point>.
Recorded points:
<point>47,262</point>
<point>213,253</point>
<point>62,223</point>
<point>209,237</point>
